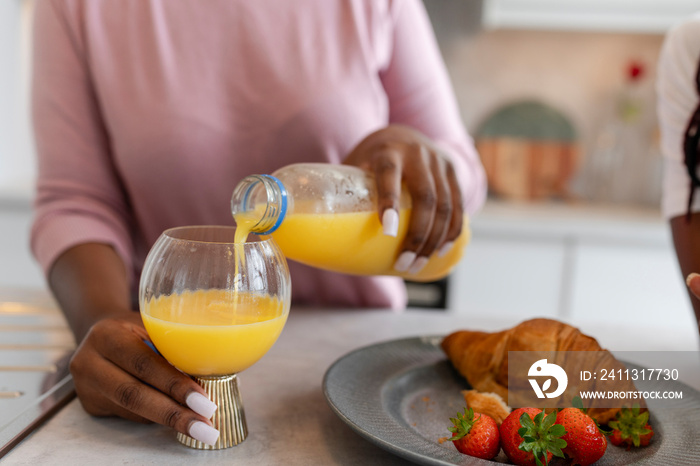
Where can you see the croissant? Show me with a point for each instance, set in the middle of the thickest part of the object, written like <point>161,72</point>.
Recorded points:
<point>482,357</point>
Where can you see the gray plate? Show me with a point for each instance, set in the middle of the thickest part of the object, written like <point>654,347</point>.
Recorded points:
<point>400,395</point>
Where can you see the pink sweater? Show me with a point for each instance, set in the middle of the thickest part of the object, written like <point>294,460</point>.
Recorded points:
<point>148,112</point>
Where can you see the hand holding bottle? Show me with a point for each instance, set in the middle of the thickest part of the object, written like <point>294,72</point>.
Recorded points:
<point>399,154</point>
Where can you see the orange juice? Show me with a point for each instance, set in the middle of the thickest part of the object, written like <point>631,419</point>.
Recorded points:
<point>214,332</point>
<point>354,243</point>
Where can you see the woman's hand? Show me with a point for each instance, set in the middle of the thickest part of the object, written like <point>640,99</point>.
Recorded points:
<point>399,154</point>
<point>117,374</point>
<point>693,282</point>
<point>114,371</point>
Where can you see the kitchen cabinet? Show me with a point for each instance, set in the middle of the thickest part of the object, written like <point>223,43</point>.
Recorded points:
<point>628,283</point>
<point>639,16</point>
<point>597,265</point>
<point>506,275</point>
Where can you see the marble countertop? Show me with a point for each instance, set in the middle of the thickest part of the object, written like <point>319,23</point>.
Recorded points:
<point>289,419</point>
<point>555,220</point>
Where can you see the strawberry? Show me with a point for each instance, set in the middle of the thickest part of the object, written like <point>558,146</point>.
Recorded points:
<point>529,438</point>
<point>475,434</point>
<point>585,443</point>
<point>631,428</point>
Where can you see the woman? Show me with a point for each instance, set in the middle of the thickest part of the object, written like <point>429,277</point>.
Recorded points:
<point>678,89</point>
<point>146,115</point>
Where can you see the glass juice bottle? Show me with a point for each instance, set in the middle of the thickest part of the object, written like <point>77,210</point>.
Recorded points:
<point>325,216</point>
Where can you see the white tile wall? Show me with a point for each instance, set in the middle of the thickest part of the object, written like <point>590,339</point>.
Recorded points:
<point>577,72</point>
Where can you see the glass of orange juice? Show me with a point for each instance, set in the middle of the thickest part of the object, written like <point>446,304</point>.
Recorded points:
<point>213,304</point>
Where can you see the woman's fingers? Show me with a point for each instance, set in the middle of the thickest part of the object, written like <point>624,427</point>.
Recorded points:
<point>442,210</point>
<point>116,373</point>
<point>387,165</point>
<point>135,357</point>
<point>96,404</point>
<point>456,221</point>
<point>421,185</point>
<point>693,282</point>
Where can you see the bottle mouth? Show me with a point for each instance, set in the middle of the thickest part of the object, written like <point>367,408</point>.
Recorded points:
<point>255,191</point>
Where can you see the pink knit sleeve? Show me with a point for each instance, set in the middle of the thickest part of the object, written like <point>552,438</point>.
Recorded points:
<point>421,95</point>
<point>79,198</point>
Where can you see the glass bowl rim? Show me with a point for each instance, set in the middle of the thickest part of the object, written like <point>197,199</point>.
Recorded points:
<point>169,233</point>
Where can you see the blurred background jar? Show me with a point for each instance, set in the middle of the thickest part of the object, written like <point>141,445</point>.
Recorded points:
<point>624,163</point>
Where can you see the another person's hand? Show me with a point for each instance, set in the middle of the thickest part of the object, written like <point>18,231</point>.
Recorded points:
<point>693,282</point>
<point>117,374</point>
<point>399,154</point>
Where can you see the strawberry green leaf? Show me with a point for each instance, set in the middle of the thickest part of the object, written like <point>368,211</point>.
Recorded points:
<point>539,417</point>
<point>635,409</point>
<point>540,435</point>
<point>556,451</point>
<point>557,430</point>
<point>577,402</point>
<point>643,418</point>
<point>559,442</point>
<point>462,424</point>
<point>549,420</point>
<point>527,422</point>
<point>631,424</point>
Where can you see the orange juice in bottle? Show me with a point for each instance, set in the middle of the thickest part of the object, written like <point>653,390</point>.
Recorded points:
<point>326,216</point>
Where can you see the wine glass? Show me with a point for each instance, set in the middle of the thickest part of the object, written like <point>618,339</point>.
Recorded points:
<point>213,306</point>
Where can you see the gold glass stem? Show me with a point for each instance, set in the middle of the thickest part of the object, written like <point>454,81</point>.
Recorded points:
<point>229,418</point>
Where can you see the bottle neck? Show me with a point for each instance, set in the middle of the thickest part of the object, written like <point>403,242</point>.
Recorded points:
<point>260,203</point>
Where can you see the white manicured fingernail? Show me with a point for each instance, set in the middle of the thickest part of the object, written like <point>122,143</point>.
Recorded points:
<point>445,249</point>
<point>203,432</point>
<point>200,404</point>
<point>404,261</point>
<point>690,277</point>
<point>418,265</point>
<point>390,222</point>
